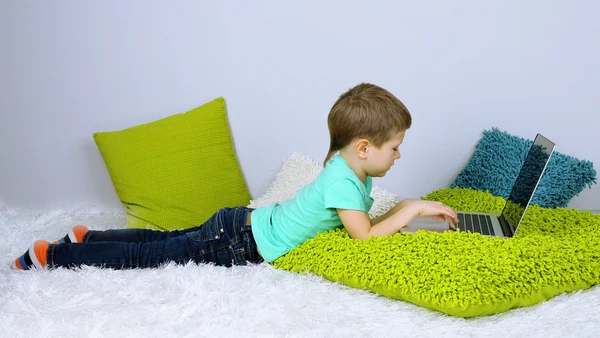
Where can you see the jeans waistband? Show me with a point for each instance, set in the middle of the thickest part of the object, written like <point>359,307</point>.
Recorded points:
<point>251,248</point>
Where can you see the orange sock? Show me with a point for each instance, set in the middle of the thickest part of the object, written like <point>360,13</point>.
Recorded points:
<point>74,236</point>
<point>34,258</point>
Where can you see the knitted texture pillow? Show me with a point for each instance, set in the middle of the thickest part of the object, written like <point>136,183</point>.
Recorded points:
<point>174,173</point>
<point>496,162</point>
<point>459,273</point>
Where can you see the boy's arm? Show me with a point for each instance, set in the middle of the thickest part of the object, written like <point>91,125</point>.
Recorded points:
<point>391,211</point>
<point>358,224</point>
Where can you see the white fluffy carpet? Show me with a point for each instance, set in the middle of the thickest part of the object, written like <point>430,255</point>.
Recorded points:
<point>208,301</point>
<point>252,301</point>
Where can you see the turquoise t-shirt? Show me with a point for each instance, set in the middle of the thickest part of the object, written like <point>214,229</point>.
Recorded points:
<point>279,228</point>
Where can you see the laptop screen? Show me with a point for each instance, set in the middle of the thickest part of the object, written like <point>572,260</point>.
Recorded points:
<point>531,172</point>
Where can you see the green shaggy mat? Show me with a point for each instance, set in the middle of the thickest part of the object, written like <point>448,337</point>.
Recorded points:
<point>464,274</point>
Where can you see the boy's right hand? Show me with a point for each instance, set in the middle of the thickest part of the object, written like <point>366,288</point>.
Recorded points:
<point>437,210</point>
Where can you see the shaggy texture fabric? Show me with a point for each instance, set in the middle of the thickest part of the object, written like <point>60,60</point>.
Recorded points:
<point>464,274</point>
<point>252,301</point>
<point>430,270</point>
<point>496,162</point>
<point>208,301</point>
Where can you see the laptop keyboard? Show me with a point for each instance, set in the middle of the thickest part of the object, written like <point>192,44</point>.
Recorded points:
<point>475,223</point>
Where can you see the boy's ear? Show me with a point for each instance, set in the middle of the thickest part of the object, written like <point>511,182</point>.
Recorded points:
<point>362,148</point>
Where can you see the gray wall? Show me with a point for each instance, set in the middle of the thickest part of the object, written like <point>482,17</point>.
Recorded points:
<point>69,69</point>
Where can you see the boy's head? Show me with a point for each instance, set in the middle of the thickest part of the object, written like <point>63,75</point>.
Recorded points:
<point>366,112</point>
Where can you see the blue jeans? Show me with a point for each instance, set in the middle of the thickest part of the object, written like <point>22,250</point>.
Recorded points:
<point>224,239</point>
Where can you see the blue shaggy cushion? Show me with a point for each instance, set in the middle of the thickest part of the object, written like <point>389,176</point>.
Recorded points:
<point>498,158</point>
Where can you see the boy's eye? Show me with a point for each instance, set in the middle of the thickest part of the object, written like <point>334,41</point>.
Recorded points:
<point>395,149</point>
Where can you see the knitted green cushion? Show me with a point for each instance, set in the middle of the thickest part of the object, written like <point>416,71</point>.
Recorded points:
<point>174,173</point>
<point>464,274</point>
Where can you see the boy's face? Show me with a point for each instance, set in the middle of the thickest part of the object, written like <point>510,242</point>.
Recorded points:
<point>381,159</point>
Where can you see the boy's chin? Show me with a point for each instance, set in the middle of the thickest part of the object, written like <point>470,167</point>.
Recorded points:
<point>380,174</point>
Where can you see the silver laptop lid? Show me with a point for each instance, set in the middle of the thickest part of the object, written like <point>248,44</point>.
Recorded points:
<point>527,181</point>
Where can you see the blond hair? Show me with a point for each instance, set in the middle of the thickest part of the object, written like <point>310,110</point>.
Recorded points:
<point>365,111</point>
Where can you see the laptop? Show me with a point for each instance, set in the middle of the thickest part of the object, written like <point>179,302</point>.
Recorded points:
<point>507,223</point>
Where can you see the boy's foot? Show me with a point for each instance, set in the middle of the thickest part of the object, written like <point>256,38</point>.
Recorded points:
<point>34,258</point>
<point>74,236</point>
